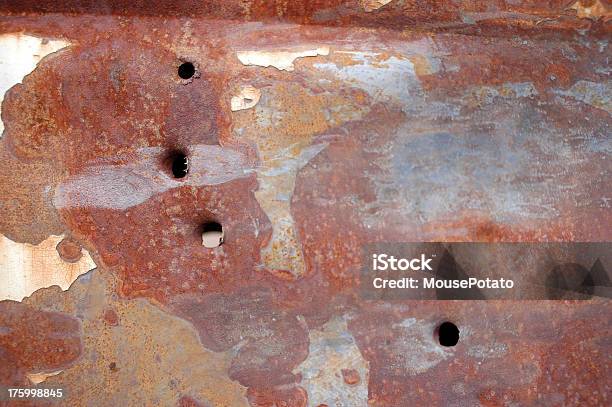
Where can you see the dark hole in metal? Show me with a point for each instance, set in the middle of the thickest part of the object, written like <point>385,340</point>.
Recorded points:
<point>186,70</point>
<point>180,165</point>
<point>448,334</point>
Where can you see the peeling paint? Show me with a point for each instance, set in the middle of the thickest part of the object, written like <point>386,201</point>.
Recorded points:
<point>246,99</point>
<point>398,135</point>
<point>37,378</point>
<point>19,54</point>
<point>25,268</point>
<point>281,60</point>
<point>371,5</point>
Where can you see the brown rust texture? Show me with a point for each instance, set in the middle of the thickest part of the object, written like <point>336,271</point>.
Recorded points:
<point>436,121</point>
<point>466,15</point>
<point>34,340</point>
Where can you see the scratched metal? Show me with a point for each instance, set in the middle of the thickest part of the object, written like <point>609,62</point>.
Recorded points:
<point>406,121</point>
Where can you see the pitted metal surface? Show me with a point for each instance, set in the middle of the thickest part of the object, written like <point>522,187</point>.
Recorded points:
<point>312,129</point>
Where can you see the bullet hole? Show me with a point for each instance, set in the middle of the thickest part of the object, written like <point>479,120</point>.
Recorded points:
<point>179,164</point>
<point>212,234</point>
<point>448,334</point>
<point>186,70</point>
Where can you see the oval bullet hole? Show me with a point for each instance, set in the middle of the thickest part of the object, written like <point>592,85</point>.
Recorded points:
<point>186,70</point>
<point>212,235</point>
<point>180,165</point>
<point>448,334</point>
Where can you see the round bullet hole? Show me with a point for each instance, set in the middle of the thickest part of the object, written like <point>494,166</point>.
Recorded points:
<point>448,334</point>
<point>212,234</point>
<point>186,70</point>
<point>179,164</point>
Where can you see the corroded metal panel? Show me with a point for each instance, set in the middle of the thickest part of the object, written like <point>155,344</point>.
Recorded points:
<point>310,130</point>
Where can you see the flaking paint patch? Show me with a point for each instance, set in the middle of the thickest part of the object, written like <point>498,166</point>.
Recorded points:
<point>371,5</point>
<point>418,162</point>
<point>280,59</point>
<point>25,268</point>
<point>246,99</point>
<point>19,55</point>
<point>332,350</point>
<point>502,180</point>
<point>37,378</point>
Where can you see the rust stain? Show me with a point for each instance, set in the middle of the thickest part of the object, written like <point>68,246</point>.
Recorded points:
<point>36,341</point>
<point>19,55</point>
<point>592,9</point>
<point>398,134</point>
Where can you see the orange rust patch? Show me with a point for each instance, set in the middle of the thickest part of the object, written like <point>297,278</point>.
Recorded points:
<point>69,250</point>
<point>350,376</point>
<point>111,317</point>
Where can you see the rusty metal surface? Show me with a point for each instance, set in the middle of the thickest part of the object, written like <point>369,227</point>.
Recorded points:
<point>442,121</point>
